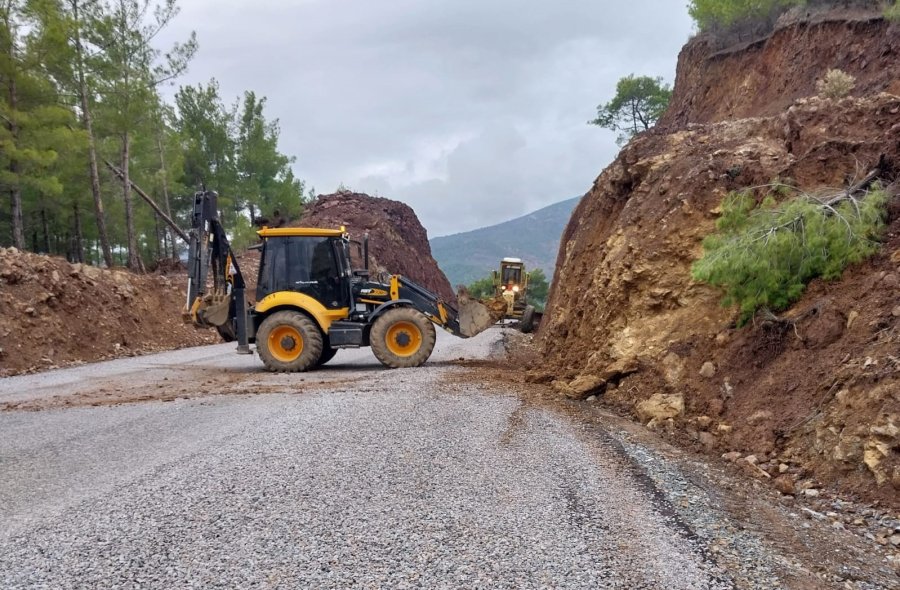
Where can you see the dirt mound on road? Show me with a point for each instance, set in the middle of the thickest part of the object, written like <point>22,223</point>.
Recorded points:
<point>53,313</point>
<point>816,397</point>
<point>398,244</point>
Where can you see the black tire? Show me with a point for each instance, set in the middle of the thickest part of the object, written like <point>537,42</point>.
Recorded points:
<point>278,340</point>
<point>526,324</point>
<point>226,331</point>
<point>327,354</point>
<point>402,337</point>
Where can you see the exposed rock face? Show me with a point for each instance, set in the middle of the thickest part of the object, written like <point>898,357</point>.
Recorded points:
<point>398,244</point>
<point>623,292</point>
<point>53,313</point>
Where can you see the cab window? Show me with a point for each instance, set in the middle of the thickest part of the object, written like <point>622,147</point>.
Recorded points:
<point>304,264</point>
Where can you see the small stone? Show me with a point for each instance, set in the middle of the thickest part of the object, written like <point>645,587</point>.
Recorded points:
<point>811,493</point>
<point>785,485</point>
<point>704,422</point>
<point>707,440</point>
<point>782,468</point>
<point>851,317</point>
<point>725,428</point>
<point>591,398</point>
<point>707,370</point>
<point>895,540</point>
<point>732,456</point>
<point>29,310</point>
<point>760,416</point>
<point>751,459</point>
<point>896,312</point>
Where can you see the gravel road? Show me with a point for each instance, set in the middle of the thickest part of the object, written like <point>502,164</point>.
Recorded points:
<point>351,477</point>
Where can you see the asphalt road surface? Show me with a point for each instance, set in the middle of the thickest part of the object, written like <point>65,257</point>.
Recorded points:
<point>350,477</point>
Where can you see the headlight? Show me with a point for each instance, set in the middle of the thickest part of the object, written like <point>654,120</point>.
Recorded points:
<point>515,288</point>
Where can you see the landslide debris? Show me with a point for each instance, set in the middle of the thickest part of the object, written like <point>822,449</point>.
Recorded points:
<point>817,391</point>
<point>54,313</point>
<point>398,244</point>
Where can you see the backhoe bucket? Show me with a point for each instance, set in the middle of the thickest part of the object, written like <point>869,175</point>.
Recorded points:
<point>215,310</point>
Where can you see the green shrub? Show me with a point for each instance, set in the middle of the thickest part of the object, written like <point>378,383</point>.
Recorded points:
<point>835,84</point>
<point>764,255</point>
<point>713,14</point>
<point>892,11</point>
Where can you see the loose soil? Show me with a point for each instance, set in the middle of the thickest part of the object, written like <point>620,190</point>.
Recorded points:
<point>53,313</point>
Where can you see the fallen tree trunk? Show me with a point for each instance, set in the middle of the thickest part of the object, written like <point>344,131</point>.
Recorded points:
<point>150,202</point>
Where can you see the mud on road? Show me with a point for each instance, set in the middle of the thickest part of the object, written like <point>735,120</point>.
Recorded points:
<point>452,475</point>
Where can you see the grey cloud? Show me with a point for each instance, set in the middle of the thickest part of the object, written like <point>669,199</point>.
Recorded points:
<point>471,111</point>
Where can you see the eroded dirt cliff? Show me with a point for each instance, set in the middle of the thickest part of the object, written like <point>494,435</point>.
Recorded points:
<point>819,401</point>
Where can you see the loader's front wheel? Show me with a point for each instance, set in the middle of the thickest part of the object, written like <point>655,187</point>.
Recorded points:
<point>289,342</point>
<point>526,324</point>
<point>402,337</point>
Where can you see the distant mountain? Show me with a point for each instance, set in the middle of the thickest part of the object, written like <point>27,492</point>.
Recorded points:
<point>534,238</point>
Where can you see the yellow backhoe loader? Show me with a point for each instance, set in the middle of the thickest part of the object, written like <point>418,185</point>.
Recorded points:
<point>310,302</point>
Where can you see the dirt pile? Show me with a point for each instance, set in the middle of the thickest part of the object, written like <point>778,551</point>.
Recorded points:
<point>398,244</point>
<point>817,398</point>
<point>53,313</point>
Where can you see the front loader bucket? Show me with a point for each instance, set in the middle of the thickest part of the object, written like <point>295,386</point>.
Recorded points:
<point>474,317</point>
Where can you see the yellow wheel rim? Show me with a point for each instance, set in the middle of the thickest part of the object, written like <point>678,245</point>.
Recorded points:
<point>285,343</point>
<point>404,338</point>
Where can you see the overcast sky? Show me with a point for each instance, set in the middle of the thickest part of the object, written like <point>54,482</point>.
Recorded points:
<point>471,111</point>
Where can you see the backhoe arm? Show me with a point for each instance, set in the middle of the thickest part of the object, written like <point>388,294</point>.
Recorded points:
<point>220,304</point>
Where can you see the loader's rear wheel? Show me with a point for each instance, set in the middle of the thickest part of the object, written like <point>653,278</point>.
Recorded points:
<point>402,337</point>
<point>526,324</point>
<point>289,342</point>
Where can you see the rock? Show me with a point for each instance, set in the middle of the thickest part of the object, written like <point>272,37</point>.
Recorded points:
<point>811,493</point>
<point>751,459</point>
<point>732,456</point>
<point>873,456</point>
<point>760,416</point>
<point>704,422</point>
<point>782,468</point>
<point>30,310</point>
<point>585,385</point>
<point>707,440</point>
<point>785,485</point>
<point>592,398</point>
<point>888,429</point>
<point>660,407</point>
<point>725,428</point>
<point>896,312</point>
<point>895,540</point>
<point>708,370</point>
<point>851,317</point>
<point>620,368</point>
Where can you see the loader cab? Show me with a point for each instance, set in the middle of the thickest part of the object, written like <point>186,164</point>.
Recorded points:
<point>511,277</point>
<point>310,261</point>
